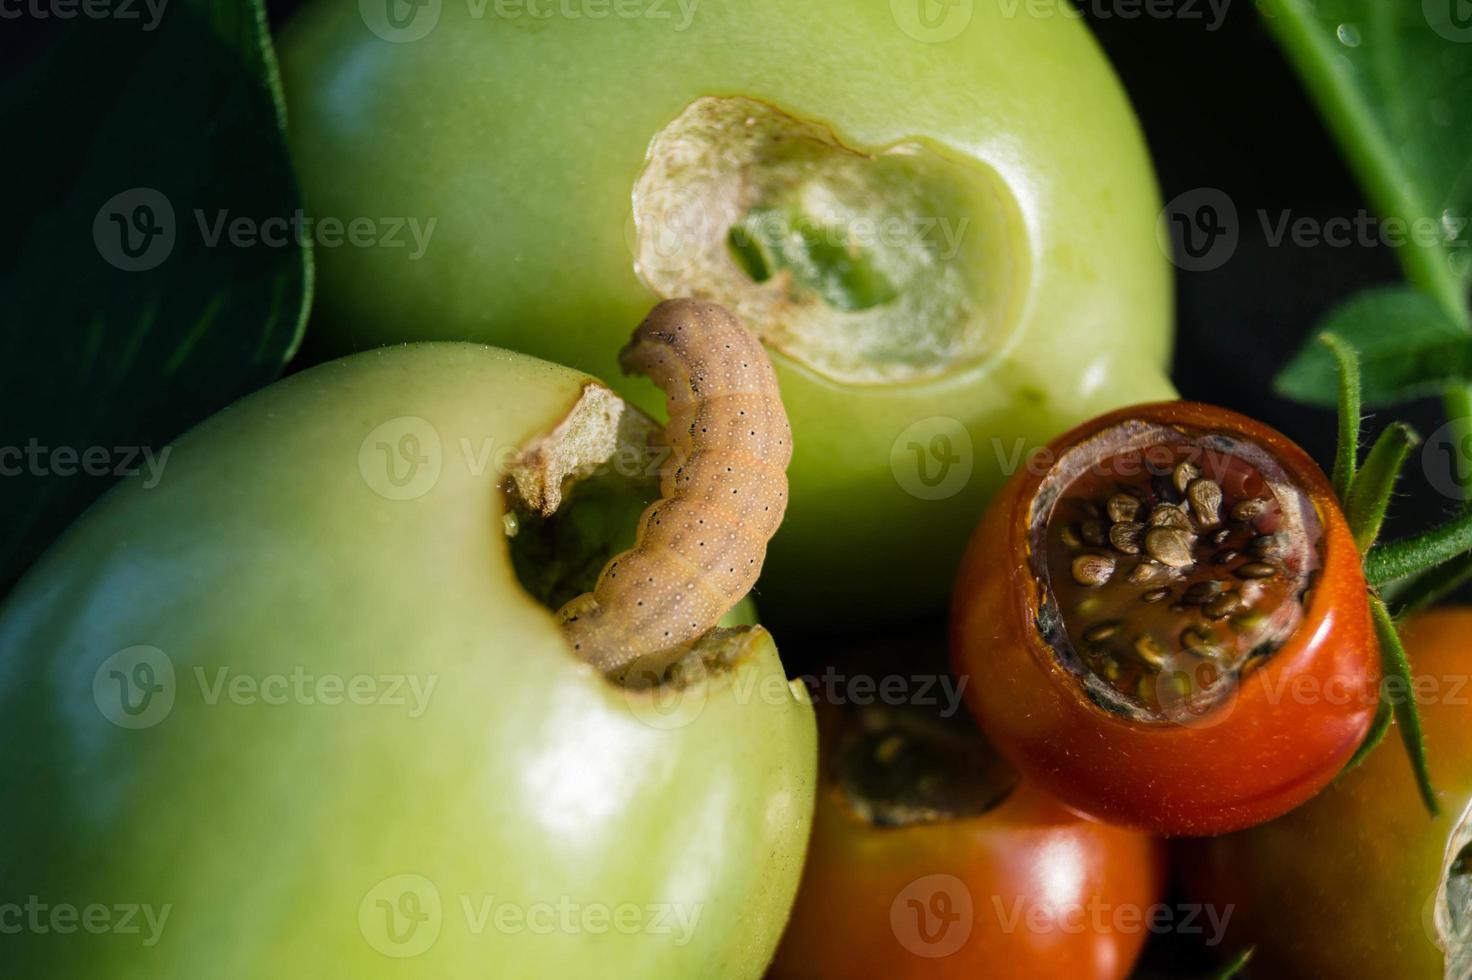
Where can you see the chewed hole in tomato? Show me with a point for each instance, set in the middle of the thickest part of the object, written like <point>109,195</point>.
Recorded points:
<point>1171,563</point>
<point>898,765</point>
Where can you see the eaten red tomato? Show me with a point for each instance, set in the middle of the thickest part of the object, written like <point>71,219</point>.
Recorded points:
<point>930,857</point>
<point>1163,620</point>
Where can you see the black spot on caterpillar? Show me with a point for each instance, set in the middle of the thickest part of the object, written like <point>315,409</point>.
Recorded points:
<point>723,489</point>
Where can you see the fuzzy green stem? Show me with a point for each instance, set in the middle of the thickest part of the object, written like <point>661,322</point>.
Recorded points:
<point>1369,493</point>
<point>1396,560</point>
<point>1346,453</point>
<point>1431,586</point>
<point>1396,665</point>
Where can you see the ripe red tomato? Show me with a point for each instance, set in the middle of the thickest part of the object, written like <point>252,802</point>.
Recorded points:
<point>1163,617</point>
<point>1361,882</point>
<point>930,858</point>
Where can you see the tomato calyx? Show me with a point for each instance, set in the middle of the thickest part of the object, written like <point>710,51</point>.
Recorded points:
<point>1407,574</point>
<point>899,765</point>
<point>1175,559</point>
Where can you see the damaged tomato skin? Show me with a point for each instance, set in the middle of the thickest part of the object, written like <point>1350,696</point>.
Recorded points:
<point>531,247</point>
<point>1290,726</point>
<point>1026,860</point>
<point>281,831</point>
<point>1345,886</point>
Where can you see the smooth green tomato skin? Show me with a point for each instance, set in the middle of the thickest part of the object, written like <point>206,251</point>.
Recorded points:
<point>550,824</point>
<point>521,130</point>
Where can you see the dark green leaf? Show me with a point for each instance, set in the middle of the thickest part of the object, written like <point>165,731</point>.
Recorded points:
<point>1394,80</point>
<point>126,319</point>
<point>1408,347</point>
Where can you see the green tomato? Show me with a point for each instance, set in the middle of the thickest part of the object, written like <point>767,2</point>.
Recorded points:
<point>294,709</point>
<point>939,218</point>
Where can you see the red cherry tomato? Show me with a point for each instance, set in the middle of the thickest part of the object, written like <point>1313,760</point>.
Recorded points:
<point>930,858</point>
<point>1164,623</point>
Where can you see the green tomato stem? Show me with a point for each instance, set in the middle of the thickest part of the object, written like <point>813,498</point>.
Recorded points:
<point>1370,490</point>
<point>1346,453</point>
<point>1396,664</point>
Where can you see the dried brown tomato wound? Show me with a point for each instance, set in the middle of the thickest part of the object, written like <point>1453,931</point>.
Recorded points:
<point>898,765</point>
<point>1171,561</point>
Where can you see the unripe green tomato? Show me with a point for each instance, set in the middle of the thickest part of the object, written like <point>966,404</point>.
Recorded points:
<point>939,218</point>
<point>293,700</point>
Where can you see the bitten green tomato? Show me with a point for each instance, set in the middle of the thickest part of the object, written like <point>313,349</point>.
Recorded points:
<point>1360,882</point>
<point>292,707</point>
<point>939,219</point>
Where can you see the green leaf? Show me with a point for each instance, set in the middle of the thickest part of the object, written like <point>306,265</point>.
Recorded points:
<point>1394,81</point>
<point>126,318</point>
<point>1408,346</point>
<point>1369,494</point>
<point>1396,665</point>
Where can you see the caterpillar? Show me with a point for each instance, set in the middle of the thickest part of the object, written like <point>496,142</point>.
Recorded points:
<point>723,489</point>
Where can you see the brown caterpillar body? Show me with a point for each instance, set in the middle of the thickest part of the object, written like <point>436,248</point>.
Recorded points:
<point>699,548</point>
